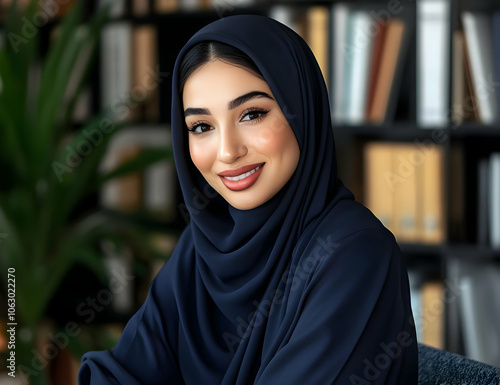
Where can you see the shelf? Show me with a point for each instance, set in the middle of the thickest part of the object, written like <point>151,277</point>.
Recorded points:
<point>453,250</point>
<point>471,251</point>
<point>408,131</point>
<point>395,132</point>
<point>416,249</point>
<point>474,129</point>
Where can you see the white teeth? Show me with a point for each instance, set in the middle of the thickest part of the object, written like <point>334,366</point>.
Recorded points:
<point>243,176</point>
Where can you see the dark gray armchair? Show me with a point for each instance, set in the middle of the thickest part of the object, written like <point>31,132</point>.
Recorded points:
<point>444,368</point>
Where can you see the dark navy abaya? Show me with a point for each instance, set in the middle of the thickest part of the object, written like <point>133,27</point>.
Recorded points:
<point>308,288</point>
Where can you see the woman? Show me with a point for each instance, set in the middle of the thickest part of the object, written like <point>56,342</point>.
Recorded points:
<point>280,277</point>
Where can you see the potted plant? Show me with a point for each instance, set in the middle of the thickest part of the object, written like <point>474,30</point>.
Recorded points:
<point>41,236</point>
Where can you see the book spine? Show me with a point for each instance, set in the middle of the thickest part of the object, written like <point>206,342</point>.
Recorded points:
<point>495,200</point>
<point>340,14</point>
<point>478,33</point>
<point>433,62</point>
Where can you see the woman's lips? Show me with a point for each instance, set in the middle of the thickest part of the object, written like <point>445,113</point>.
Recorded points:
<point>242,177</point>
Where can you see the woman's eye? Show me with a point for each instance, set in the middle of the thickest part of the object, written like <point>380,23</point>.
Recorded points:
<point>199,128</point>
<point>253,115</point>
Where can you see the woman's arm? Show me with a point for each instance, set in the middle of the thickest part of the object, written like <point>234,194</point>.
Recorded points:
<point>355,324</point>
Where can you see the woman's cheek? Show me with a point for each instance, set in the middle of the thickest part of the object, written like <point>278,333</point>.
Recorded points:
<point>201,155</point>
<point>270,137</point>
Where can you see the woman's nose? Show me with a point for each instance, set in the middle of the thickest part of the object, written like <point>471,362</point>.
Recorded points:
<point>231,146</point>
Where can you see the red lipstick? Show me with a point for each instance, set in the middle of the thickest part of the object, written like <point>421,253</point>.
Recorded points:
<point>241,178</point>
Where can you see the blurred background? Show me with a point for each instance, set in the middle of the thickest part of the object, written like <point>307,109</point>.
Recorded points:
<point>90,207</point>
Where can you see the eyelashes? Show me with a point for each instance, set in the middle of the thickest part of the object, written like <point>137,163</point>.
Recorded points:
<point>251,115</point>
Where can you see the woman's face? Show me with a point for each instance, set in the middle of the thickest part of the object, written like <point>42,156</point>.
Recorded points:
<point>239,138</point>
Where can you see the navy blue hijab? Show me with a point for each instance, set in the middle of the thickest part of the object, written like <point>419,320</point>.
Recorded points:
<point>308,288</point>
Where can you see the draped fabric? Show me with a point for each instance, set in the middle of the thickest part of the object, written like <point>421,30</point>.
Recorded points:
<point>308,288</point>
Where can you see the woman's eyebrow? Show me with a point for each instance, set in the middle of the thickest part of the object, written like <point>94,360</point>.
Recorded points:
<point>231,105</point>
<point>196,111</point>
<point>245,98</point>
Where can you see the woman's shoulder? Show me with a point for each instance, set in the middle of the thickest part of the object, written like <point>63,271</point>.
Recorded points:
<point>349,218</point>
<point>350,232</point>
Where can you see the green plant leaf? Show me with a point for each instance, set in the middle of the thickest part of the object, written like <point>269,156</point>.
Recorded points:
<point>11,115</point>
<point>11,249</point>
<point>68,183</point>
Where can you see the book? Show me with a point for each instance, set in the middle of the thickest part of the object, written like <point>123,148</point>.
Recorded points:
<point>166,6</point>
<point>385,84</point>
<point>456,213</point>
<point>145,88</point>
<point>470,106</point>
<point>190,5</point>
<point>285,15</point>
<point>140,8</point>
<point>494,199</point>
<point>379,185</point>
<point>339,16</point>
<point>463,101</point>
<point>120,261</point>
<point>480,310</point>
<point>348,50</point>
<point>360,61</point>
<point>152,190</point>
<point>433,308</point>
<point>459,81</point>
<point>496,49</point>
<point>415,281</point>
<point>116,72</point>
<point>431,190</point>
<point>376,57</point>
<point>483,202</point>
<point>317,36</point>
<point>478,32</point>
<point>406,173</point>
<point>129,189</point>
<point>433,62</point>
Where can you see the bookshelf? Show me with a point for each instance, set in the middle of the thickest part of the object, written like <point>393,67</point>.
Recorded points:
<point>408,116</point>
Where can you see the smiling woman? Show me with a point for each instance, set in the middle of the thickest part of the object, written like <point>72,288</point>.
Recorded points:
<point>282,278</point>
<point>229,139</point>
